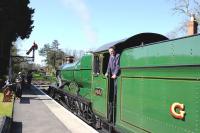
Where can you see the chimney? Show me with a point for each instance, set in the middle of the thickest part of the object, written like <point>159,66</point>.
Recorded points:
<point>192,25</point>
<point>69,59</point>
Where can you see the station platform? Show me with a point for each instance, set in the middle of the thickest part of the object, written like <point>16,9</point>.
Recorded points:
<point>36,112</point>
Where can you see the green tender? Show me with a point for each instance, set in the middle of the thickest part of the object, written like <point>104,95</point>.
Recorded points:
<point>155,76</point>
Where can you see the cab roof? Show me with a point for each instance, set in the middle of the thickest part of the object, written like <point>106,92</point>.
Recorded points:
<point>136,40</point>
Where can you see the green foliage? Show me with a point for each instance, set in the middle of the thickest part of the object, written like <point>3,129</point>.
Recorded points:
<point>16,18</point>
<point>15,66</point>
<point>19,66</point>
<point>15,21</point>
<point>23,21</point>
<point>54,55</point>
<point>39,76</point>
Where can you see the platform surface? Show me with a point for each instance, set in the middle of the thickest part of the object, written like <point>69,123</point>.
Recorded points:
<point>36,112</point>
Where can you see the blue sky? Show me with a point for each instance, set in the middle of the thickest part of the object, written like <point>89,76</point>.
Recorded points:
<point>88,24</point>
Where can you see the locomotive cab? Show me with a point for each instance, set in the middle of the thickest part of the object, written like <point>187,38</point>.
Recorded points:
<point>102,88</point>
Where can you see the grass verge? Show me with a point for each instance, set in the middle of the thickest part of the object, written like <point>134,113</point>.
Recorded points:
<point>5,107</point>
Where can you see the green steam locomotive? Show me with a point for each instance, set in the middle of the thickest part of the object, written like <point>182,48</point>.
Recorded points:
<point>158,88</point>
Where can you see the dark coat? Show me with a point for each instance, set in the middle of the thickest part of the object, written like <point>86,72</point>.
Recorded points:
<point>113,65</point>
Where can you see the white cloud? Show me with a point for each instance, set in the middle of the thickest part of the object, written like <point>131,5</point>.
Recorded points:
<point>81,9</point>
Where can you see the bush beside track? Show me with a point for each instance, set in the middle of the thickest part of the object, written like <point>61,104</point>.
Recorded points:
<point>40,78</point>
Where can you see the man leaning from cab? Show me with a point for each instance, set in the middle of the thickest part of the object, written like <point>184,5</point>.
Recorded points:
<point>112,72</point>
<point>113,64</point>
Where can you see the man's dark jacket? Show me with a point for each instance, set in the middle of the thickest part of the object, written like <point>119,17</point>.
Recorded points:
<point>113,65</point>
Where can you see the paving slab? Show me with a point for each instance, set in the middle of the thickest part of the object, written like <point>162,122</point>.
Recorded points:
<point>36,112</point>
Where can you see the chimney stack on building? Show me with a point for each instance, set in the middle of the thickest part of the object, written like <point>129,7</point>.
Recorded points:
<point>69,59</point>
<point>192,25</point>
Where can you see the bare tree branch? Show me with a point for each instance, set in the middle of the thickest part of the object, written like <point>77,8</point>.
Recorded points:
<point>186,8</point>
<point>197,10</point>
<point>182,6</point>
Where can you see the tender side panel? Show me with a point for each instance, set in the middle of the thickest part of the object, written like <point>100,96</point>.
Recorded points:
<point>144,102</point>
<point>183,51</point>
<point>154,77</point>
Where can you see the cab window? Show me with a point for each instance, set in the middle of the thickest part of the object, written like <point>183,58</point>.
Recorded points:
<point>96,65</point>
<point>105,62</point>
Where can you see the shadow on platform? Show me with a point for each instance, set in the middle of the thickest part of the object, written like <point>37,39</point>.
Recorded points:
<point>30,90</point>
<point>16,127</point>
<point>25,100</point>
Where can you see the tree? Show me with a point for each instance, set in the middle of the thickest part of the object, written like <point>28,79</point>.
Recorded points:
<point>77,54</point>
<point>54,56</point>
<point>187,8</point>
<point>16,18</point>
<point>15,66</point>
<point>16,21</point>
<point>19,64</point>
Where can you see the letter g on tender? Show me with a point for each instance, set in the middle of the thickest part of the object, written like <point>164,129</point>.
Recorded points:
<point>177,110</point>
